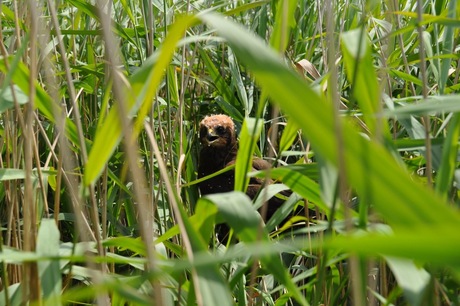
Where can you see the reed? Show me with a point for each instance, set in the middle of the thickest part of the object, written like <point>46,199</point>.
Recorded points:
<point>99,110</point>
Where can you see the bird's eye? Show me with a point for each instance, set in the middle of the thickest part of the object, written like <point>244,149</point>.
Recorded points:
<point>220,130</point>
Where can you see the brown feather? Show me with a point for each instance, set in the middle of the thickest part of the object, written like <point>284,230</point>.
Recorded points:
<point>219,150</point>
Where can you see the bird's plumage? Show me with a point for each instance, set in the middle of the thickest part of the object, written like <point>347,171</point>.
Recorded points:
<point>219,149</point>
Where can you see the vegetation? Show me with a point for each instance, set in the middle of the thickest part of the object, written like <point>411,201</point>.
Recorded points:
<point>355,102</point>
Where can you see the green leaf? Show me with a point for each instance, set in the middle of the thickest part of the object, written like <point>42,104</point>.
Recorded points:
<point>298,180</point>
<point>284,22</point>
<point>127,243</point>
<point>10,255</point>
<point>7,100</point>
<point>448,165</point>
<point>421,244</point>
<point>288,136</point>
<point>105,142</point>
<point>203,221</point>
<point>411,279</point>
<point>447,47</point>
<point>249,135</point>
<point>237,210</point>
<point>238,83</point>
<point>14,295</point>
<point>49,270</point>
<point>245,7</point>
<point>6,95</point>
<point>406,77</point>
<point>283,212</point>
<point>361,74</point>
<point>429,106</point>
<point>204,218</point>
<point>7,174</point>
<point>12,174</point>
<point>427,18</point>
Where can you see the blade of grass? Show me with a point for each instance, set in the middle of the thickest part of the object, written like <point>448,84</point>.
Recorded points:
<point>250,132</point>
<point>449,158</point>
<point>49,271</point>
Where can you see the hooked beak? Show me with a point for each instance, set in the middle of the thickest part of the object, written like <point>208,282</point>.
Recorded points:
<point>211,137</point>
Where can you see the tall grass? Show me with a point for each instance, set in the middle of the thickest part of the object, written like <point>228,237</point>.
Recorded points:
<point>100,104</point>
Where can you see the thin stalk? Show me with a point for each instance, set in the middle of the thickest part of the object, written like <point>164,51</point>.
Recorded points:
<point>131,148</point>
<point>4,270</point>
<point>39,173</point>
<point>150,49</point>
<point>393,7</point>
<point>426,119</point>
<point>31,285</point>
<point>168,95</point>
<point>10,187</point>
<point>357,281</point>
<point>17,28</point>
<point>69,80</point>
<point>77,119</point>
<point>180,122</point>
<point>57,194</point>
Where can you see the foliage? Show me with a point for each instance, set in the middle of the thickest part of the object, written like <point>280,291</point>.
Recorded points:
<point>355,103</point>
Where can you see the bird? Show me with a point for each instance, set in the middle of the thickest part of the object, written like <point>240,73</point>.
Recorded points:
<point>219,148</point>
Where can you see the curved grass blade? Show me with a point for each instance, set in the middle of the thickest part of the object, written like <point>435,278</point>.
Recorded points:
<point>430,106</point>
<point>360,70</point>
<point>447,49</point>
<point>422,244</point>
<point>411,279</point>
<point>288,136</point>
<point>448,165</point>
<point>250,132</point>
<point>297,178</point>
<point>49,270</point>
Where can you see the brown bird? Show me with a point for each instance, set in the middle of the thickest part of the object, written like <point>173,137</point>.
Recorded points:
<point>219,150</point>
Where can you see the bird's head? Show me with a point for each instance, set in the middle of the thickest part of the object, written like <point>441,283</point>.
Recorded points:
<point>217,131</point>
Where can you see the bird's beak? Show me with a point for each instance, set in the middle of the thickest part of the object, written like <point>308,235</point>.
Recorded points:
<point>211,137</point>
